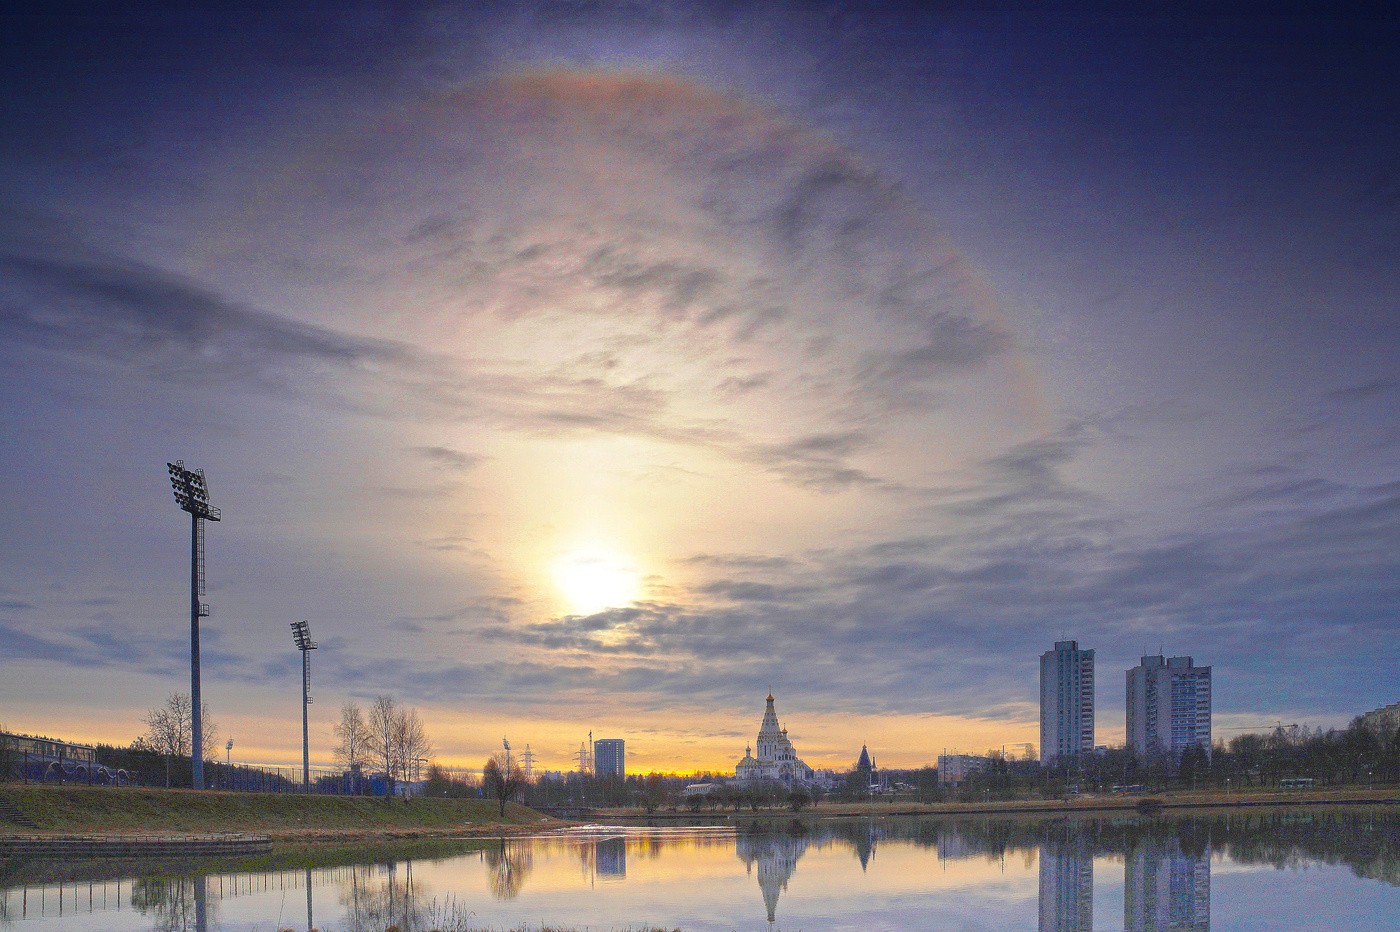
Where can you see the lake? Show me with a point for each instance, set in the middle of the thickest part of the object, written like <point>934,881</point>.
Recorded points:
<point>1277,870</point>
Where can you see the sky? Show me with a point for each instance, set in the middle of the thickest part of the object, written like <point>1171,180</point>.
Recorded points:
<point>601,366</point>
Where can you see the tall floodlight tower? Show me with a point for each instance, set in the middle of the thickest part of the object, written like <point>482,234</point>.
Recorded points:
<point>192,495</point>
<point>301,630</point>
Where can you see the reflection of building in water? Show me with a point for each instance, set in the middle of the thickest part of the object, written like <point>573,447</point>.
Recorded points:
<point>1066,882</point>
<point>1165,888</point>
<point>865,844</point>
<point>954,847</point>
<point>775,858</point>
<point>610,857</point>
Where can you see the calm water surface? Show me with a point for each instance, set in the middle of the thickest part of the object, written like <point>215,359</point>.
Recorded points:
<point>1282,872</point>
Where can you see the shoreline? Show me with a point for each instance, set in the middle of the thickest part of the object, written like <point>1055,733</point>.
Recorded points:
<point>303,821</point>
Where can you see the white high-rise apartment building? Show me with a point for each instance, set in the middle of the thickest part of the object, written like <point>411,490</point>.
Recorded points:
<point>1168,706</point>
<point>1066,701</point>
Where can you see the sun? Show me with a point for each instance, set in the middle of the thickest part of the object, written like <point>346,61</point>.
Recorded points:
<point>592,580</point>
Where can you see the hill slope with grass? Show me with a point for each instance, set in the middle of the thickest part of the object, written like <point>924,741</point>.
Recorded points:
<point>127,809</point>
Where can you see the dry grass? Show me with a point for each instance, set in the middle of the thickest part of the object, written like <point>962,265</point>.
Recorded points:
<point>134,810</point>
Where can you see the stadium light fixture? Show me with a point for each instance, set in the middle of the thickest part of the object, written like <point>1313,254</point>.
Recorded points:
<point>192,495</point>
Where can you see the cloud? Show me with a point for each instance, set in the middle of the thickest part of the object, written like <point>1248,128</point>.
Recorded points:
<point>818,461</point>
<point>743,560</point>
<point>1026,480</point>
<point>448,458</point>
<point>953,343</point>
<point>110,643</point>
<point>21,645</point>
<point>742,591</point>
<point>134,314</point>
<point>1364,390</point>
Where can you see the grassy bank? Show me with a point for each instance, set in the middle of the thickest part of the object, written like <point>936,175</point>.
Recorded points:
<point>330,818</point>
<point>110,809</point>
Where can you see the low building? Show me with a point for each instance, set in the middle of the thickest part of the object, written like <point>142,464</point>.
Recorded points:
<point>953,769</point>
<point>1384,722</point>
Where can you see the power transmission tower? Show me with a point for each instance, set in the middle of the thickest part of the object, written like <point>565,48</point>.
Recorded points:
<point>527,763</point>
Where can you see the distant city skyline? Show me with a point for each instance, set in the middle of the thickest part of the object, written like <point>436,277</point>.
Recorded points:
<point>600,367</point>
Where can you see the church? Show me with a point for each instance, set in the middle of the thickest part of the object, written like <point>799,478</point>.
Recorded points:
<point>776,760</point>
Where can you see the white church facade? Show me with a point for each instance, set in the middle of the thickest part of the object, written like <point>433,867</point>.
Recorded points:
<point>776,759</point>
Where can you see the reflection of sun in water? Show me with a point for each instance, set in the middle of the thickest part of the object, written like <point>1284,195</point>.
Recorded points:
<point>592,580</point>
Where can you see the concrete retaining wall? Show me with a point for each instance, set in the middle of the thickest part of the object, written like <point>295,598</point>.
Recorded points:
<point>132,846</point>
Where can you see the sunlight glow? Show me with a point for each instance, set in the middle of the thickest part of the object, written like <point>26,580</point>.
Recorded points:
<point>592,580</point>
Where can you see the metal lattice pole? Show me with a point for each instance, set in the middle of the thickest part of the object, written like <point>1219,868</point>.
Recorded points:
<point>301,632</point>
<point>192,495</point>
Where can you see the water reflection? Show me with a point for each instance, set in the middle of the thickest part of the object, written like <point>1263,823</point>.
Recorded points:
<point>176,904</point>
<point>510,863</point>
<point>1166,887</point>
<point>801,875</point>
<point>378,896</point>
<point>773,858</point>
<point>610,856</point>
<point>1066,881</point>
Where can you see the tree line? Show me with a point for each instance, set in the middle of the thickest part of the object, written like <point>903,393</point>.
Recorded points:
<point>389,737</point>
<point>1356,755</point>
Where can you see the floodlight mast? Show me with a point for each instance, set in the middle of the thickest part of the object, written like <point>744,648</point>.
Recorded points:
<point>301,633</point>
<point>192,495</point>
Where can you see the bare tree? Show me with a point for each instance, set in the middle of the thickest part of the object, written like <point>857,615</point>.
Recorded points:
<point>169,729</point>
<point>501,781</point>
<point>353,750</point>
<point>383,725</point>
<point>415,748</point>
<point>396,740</point>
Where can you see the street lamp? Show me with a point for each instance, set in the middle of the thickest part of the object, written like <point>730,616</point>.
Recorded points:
<point>192,495</point>
<point>301,632</point>
<point>228,764</point>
